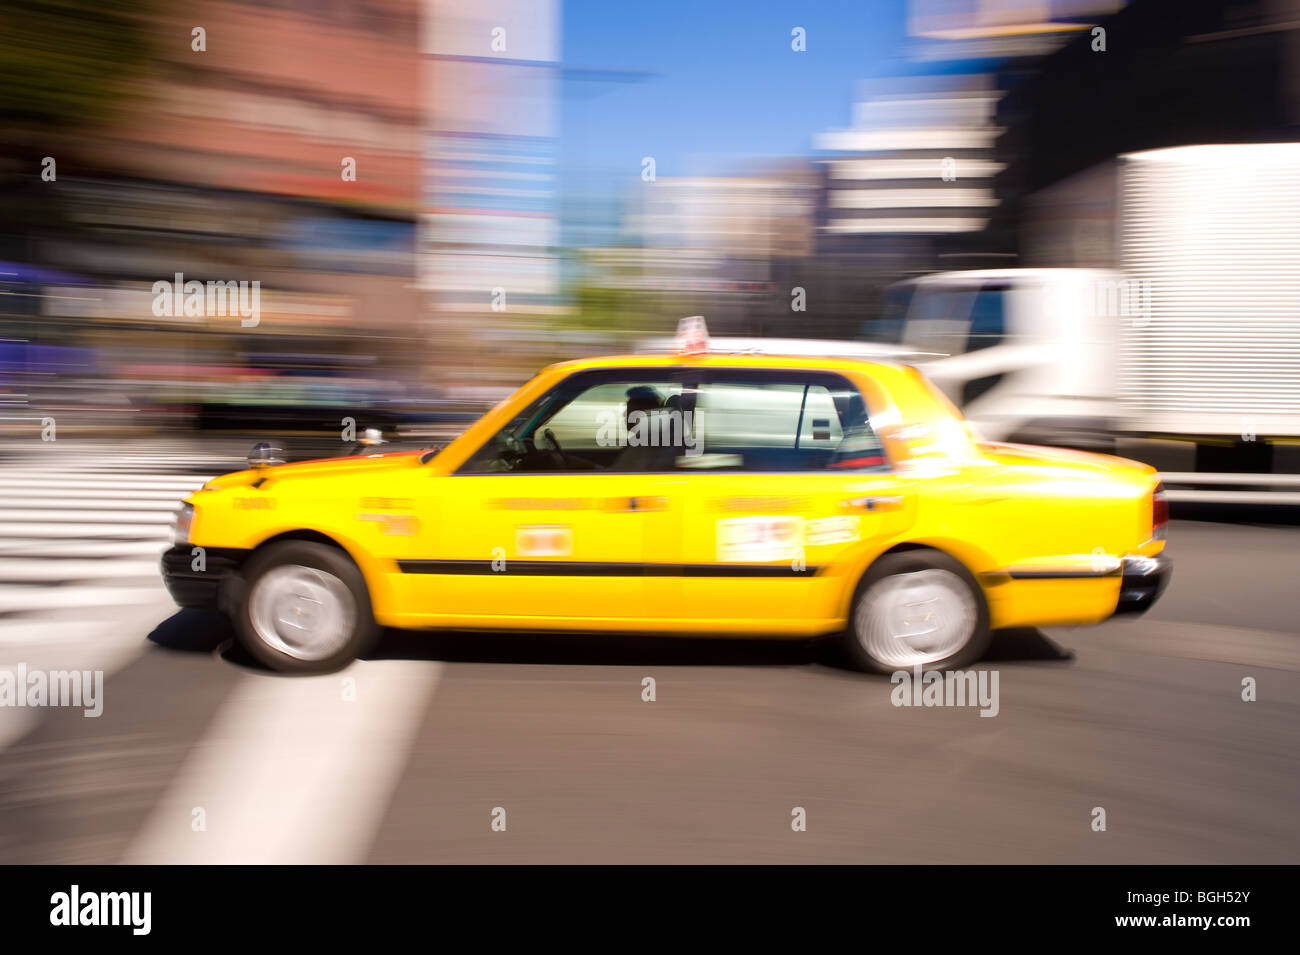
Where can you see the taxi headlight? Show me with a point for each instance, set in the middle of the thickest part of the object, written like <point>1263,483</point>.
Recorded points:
<point>181,524</point>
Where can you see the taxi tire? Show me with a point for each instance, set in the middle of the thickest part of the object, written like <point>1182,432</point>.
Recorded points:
<point>906,562</point>
<point>365,632</point>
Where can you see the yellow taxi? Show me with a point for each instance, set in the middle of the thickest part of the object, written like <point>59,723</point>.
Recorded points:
<point>785,496</point>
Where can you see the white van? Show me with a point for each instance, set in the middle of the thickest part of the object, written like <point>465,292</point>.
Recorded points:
<point>1027,354</point>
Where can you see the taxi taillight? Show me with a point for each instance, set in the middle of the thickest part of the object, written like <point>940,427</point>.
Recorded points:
<point>1159,514</point>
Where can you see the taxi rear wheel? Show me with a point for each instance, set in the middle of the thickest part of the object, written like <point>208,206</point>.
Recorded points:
<point>305,609</point>
<point>917,608</point>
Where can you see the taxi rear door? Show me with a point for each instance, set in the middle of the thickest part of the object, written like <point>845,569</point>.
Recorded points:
<point>790,488</point>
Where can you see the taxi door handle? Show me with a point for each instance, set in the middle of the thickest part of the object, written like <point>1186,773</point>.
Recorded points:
<point>880,502</point>
<point>645,503</point>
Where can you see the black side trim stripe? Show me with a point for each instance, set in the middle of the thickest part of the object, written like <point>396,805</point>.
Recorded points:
<point>577,568</point>
<point>1059,574</point>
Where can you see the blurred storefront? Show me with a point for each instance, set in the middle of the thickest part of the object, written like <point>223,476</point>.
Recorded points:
<point>279,147</point>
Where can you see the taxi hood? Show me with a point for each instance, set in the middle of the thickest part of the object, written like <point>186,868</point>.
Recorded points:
<point>324,467</point>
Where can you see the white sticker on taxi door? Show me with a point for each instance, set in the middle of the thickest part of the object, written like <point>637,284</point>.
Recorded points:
<point>831,530</point>
<point>544,540</point>
<point>759,539</point>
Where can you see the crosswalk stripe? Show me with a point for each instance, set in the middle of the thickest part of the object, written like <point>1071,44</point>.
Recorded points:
<point>97,515</point>
<point>73,541</point>
<point>80,543</point>
<point>105,499</point>
<point>96,482</point>
<point>19,570</point>
<point>83,530</point>
<point>22,632</point>
<point>112,454</point>
<point>24,598</point>
<point>288,770</point>
<point>42,548</point>
<point>291,772</point>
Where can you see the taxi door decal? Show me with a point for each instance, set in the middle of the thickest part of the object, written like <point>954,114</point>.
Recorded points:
<point>759,539</point>
<point>544,540</point>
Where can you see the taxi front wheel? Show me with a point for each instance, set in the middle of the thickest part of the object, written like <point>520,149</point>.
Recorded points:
<point>917,608</point>
<point>306,608</point>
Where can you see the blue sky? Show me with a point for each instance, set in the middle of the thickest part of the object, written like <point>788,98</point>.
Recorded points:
<point>711,84</point>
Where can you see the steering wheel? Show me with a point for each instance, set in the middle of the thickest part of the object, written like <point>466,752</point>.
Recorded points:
<point>562,459</point>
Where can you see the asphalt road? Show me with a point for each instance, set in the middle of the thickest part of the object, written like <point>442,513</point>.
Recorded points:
<point>413,755</point>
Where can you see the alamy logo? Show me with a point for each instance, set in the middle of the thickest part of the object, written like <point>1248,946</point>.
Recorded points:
<point>23,687</point>
<point>656,428</point>
<point>953,688</point>
<point>103,908</point>
<point>1123,298</point>
<point>194,299</point>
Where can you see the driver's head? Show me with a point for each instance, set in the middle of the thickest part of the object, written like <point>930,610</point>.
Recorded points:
<point>641,398</point>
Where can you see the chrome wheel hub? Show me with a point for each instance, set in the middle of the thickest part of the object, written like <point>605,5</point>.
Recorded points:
<point>907,620</point>
<point>303,612</point>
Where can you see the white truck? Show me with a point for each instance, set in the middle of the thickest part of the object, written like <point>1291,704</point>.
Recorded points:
<point>1187,328</point>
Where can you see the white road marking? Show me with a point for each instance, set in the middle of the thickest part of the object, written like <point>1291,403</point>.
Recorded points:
<point>101,530</point>
<point>22,632</point>
<point>17,569</point>
<point>18,598</point>
<point>41,548</point>
<point>99,642</point>
<point>98,515</point>
<point>40,497</point>
<point>72,542</point>
<point>291,772</point>
<point>80,583</point>
<point>96,482</point>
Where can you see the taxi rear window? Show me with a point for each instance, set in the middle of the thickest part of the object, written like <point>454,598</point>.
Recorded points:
<point>813,424</point>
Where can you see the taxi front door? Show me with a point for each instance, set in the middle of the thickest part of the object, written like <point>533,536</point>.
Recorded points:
<point>579,546</point>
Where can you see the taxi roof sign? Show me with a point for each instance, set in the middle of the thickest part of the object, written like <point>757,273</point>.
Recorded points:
<point>692,336</point>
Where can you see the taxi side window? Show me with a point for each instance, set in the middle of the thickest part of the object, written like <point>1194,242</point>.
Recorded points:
<point>988,321</point>
<point>592,422</point>
<point>813,424</point>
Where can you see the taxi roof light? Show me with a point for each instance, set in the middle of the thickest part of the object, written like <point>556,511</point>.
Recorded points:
<point>692,336</point>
